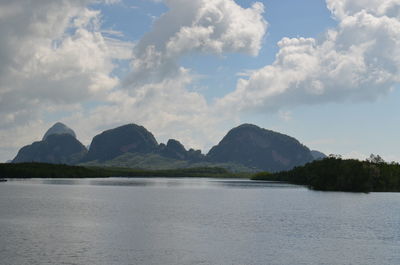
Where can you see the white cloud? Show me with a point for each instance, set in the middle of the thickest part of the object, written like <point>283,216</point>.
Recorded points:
<point>220,26</point>
<point>53,55</point>
<point>44,64</point>
<point>197,26</point>
<point>357,61</point>
<point>345,8</point>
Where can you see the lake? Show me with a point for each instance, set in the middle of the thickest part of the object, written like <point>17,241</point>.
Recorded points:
<point>193,221</point>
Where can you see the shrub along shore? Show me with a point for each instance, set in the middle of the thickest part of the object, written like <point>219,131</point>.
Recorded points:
<point>43,170</point>
<point>336,174</point>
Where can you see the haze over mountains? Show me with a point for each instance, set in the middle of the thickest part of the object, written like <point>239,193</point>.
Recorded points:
<point>244,148</point>
<point>59,128</point>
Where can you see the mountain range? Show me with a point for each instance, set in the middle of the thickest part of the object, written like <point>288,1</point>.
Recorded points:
<point>244,148</point>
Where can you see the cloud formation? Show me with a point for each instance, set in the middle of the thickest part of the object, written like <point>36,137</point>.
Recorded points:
<point>196,26</point>
<point>379,8</point>
<point>357,61</point>
<point>52,53</point>
<point>53,58</point>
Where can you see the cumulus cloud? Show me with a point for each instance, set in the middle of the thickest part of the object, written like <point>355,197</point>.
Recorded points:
<point>344,8</point>
<point>53,55</point>
<point>359,60</point>
<point>202,26</point>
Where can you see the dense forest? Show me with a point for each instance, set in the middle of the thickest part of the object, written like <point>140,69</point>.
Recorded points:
<point>337,174</point>
<point>44,170</point>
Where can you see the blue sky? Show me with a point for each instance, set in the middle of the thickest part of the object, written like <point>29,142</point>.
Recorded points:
<point>194,86</point>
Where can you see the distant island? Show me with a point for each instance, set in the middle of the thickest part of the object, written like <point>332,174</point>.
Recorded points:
<point>337,174</point>
<point>246,148</point>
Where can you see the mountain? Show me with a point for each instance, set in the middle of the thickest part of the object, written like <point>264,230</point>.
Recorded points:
<point>317,155</point>
<point>259,148</point>
<point>130,138</point>
<point>135,146</point>
<point>59,128</point>
<point>175,150</point>
<point>245,148</point>
<point>55,148</point>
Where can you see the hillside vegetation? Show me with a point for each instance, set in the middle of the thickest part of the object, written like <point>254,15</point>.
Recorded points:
<point>158,162</point>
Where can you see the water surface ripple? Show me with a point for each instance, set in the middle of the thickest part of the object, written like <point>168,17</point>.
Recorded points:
<point>125,221</point>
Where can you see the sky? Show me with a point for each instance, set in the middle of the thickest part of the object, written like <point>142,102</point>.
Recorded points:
<point>324,72</point>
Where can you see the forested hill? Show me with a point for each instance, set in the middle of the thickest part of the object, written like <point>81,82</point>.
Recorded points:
<point>336,174</point>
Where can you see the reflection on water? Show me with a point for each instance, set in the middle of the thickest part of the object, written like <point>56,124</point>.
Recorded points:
<point>124,221</point>
<point>254,184</point>
<point>59,181</point>
<point>167,182</point>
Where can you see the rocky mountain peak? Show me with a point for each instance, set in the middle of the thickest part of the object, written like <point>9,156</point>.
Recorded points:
<point>259,148</point>
<point>59,128</point>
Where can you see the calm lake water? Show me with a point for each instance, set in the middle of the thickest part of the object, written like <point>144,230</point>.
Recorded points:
<point>193,221</point>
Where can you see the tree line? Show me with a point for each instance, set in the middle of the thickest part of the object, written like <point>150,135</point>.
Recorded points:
<point>45,170</point>
<point>337,174</point>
